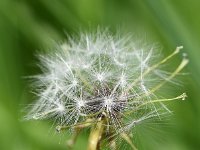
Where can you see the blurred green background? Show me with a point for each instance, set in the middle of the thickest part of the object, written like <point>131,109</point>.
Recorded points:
<point>27,26</point>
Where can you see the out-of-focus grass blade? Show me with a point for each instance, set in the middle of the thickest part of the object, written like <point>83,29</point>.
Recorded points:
<point>181,30</point>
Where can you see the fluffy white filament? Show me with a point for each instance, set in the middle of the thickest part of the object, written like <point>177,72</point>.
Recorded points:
<point>100,74</point>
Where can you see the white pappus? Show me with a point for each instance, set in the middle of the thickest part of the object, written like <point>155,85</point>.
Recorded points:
<point>101,76</point>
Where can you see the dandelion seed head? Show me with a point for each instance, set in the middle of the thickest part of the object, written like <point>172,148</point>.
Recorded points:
<point>101,74</point>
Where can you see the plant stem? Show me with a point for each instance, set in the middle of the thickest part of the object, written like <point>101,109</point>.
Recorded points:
<point>95,136</point>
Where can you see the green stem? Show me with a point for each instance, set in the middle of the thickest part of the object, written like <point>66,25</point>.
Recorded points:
<point>95,136</point>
